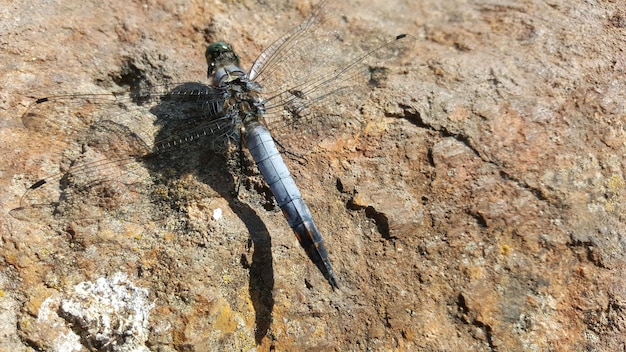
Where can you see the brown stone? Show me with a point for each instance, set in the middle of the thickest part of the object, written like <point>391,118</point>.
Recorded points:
<point>481,200</point>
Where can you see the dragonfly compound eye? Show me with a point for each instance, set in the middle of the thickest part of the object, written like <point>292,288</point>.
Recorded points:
<point>220,54</point>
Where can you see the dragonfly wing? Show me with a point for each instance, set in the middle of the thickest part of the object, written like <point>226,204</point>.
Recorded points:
<point>101,140</point>
<point>312,63</point>
<point>282,49</point>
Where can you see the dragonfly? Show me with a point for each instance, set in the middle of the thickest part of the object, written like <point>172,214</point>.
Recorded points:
<point>237,107</point>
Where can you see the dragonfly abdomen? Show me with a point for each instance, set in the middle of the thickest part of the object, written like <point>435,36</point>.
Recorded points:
<point>275,172</point>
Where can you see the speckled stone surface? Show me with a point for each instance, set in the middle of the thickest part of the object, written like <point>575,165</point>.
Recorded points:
<point>473,201</point>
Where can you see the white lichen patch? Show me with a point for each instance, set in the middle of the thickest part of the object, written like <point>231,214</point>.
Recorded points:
<point>60,337</point>
<point>109,314</point>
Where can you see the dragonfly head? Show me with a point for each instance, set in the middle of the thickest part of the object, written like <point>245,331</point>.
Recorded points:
<point>223,63</point>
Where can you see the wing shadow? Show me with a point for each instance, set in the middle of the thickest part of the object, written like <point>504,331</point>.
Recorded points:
<point>209,164</point>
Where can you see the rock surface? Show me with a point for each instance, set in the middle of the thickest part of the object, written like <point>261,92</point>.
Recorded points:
<point>478,205</point>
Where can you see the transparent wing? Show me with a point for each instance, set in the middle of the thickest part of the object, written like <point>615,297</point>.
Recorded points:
<point>101,137</point>
<point>100,141</point>
<point>313,62</point>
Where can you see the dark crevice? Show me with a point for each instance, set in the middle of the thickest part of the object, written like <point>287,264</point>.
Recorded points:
<point>413,116</point>
<point>133,78</point>
<point>381,220</point>
<point>130,75</point>
<point>410,114</point>
<point>351,205</point>
<point>465,315</point>
<point>488,334</point>
<point>480,219</point>
<point>431,157</point>
<point>339,185</point>
<point>464,139</point>
<point>537,192</point>
<point>590,252</point>
<point>139,76</point>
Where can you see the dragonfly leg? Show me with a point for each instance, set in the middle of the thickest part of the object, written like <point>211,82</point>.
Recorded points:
<point>301,159</point>
<point>241,166</point>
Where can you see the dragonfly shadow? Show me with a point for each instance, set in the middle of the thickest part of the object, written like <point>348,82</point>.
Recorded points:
<point>205,156</point>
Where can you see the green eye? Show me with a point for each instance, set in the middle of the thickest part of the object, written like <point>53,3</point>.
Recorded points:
<point>214,49</point>
<point>220,54</point>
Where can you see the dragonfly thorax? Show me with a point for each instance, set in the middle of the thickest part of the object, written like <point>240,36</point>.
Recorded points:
<point>226,74</point>
<point>243,100</point>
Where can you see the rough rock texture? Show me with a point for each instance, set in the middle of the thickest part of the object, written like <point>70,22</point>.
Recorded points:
<point>478,205</point>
